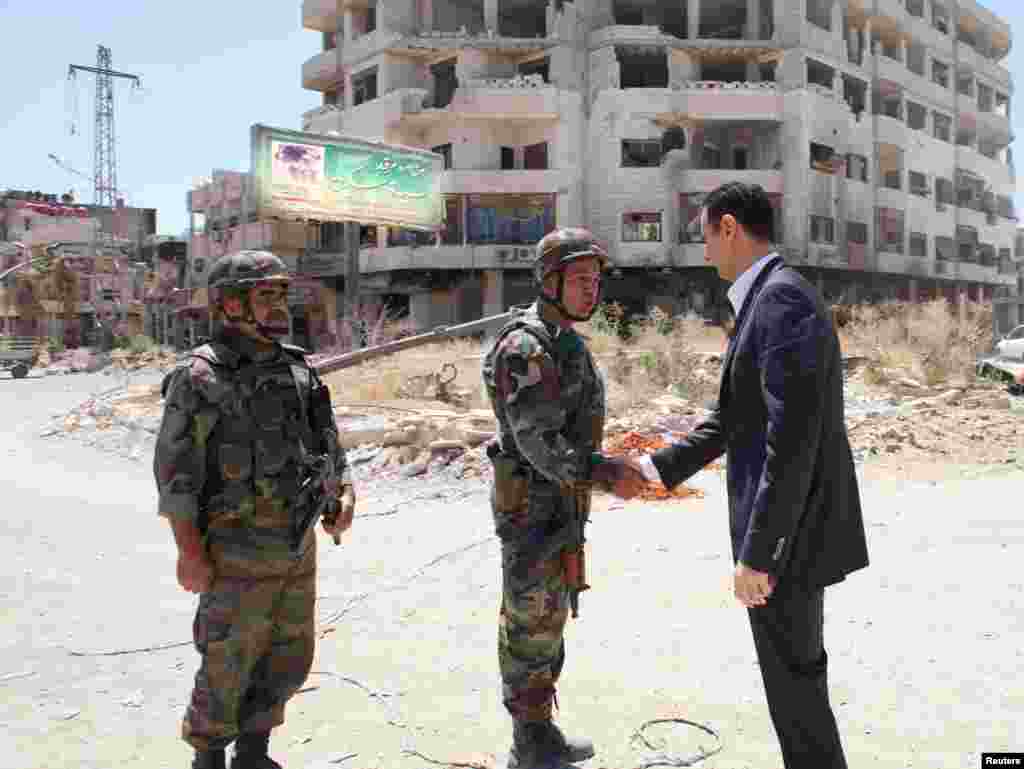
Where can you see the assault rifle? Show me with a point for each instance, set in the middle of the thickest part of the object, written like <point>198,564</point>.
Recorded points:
<point>313,500</point>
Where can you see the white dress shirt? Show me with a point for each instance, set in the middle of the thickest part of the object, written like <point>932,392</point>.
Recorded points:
<point>737,295</point>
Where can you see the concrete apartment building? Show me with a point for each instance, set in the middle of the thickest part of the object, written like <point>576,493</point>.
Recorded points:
<point>881,130</point>
<point>100,245</point>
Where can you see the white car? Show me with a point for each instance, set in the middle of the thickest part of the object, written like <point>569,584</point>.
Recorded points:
<point>1012,345</point>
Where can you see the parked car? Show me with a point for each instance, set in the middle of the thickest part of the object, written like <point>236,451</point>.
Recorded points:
<point>1012,345</point>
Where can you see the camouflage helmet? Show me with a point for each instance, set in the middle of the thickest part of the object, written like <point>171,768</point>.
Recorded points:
<point>244,268</point>
<point>560,247</point>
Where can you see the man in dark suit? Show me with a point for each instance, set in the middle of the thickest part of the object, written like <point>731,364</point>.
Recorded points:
<point>794,506</point>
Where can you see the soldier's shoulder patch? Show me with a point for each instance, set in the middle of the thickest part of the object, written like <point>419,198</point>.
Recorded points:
<point>522,343</point>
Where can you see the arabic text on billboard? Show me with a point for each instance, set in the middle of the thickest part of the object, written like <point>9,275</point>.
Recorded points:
<point>350,180</point>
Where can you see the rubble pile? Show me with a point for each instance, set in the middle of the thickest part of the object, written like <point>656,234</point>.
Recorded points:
<point>896,418</point>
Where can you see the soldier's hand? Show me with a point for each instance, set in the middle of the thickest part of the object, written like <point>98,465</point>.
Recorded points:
<point>622,476</point>
<point>195,571</point>
<point>346,512</point>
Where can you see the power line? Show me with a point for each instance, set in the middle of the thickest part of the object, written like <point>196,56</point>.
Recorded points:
<point>105,151</point>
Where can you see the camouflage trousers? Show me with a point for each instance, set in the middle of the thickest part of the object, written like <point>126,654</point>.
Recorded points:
<point>534,610</point>
<point>256,637</point>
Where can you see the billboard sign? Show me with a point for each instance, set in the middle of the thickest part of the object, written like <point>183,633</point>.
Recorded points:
<point>335,179</point>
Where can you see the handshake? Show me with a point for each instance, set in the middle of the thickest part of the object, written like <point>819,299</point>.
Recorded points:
<point>622,476</point>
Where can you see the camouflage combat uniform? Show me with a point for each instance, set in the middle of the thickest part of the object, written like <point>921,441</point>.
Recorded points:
<point>236,425</point>
<point>549,399</point>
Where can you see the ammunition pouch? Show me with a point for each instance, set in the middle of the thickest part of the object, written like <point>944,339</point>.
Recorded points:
<point>510,493</point>
<point>321,414</point>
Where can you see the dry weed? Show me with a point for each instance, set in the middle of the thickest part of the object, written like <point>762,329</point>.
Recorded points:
<point>931,341</point>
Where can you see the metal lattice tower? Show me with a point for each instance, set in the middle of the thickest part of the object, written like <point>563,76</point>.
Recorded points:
<point>105,190</point>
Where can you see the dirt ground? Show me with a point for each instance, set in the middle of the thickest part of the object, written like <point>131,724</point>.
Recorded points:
<point>96,661</point>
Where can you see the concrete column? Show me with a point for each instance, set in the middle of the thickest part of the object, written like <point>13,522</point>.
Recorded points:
<point>868,50</point>
<point>491,15</point>
<point>693,19</point>
<point>753,20</point>
<point>493,288</point>
<point>347,25</point>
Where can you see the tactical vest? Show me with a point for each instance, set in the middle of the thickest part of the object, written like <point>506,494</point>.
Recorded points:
<point>261,435</point>
<point>578,387</point>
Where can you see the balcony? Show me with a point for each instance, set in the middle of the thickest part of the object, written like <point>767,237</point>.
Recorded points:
<point>322,119</point>
<point>365,46</point>
<point>897,264</point>
<point>517,182</point>
<point>487,256</point>
<point>993,171</point>
<point>705,180</point>
<point>713,100</point>
<point>323,71</point>
<point>322,15</point>
<point>995,124</point>
<point>519,98</point>
<point>626,34</point>
<point>971,59</point>
<point>976,272</point>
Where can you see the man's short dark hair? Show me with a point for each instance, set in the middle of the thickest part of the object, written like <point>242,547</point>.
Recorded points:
<point>749,205</point>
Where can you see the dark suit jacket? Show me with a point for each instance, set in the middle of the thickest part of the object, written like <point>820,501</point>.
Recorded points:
<point>794,505</point>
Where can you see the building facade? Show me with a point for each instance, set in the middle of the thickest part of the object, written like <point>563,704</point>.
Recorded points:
<point>101,274</point>
<point>881,130</point>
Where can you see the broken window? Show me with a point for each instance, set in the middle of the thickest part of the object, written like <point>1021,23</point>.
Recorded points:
<point>642,67</point>
<point>855,93</point>
<point>445,151</point>
<point>364,86</point>
<point>510,219</point>
<point>987,255</point>
<point>917,116</point>
<point>966,243</point>
<point>940,73</point>
<point>890,230</point>
<point>916,8</point>
<point>819,13</point>
<point>639,153</point>
<point>724,71</point>
<point>918,183</point>
<point>943,126</point>
<point>508,158</point>
<point>673,139</point>
<point>723,20</point>
<point>857,168</point>
<point>451,229</point>
<point>523,20</point>
<point>711,155</point>
<point>535,157</point>
<point>740,158</point>
<point>966,133</point>
<point>916,59</point>
<point>821,158</point>
<point>986,101</point>
<point>965,83</point>
<point>539,67</point>
<point>767,71</point>
<point>943,193</point>
<point>944,248</point>
<point>641,227</point>
<point>857,232</point>
<point>445,82</point>
<point>918,245</point>
<point>1002,104</point>
<point>940,18</point>
<point>823,229</point>
<point>820,74</point>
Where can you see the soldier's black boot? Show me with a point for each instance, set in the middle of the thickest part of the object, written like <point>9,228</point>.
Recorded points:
<point>251,752</point>
<point>542,745</point>
<point>208,759</point>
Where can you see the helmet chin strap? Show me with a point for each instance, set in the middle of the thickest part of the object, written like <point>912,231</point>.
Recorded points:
<point>559,304</point>
<point>249,317</point>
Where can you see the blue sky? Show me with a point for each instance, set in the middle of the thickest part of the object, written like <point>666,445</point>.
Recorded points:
<point>209,71</point>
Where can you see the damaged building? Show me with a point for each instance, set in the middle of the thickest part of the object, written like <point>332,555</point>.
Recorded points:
<point>880,130</point>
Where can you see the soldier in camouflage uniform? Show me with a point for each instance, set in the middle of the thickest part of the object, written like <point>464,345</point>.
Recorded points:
<point>242,413</point>
<point>549,400</point>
